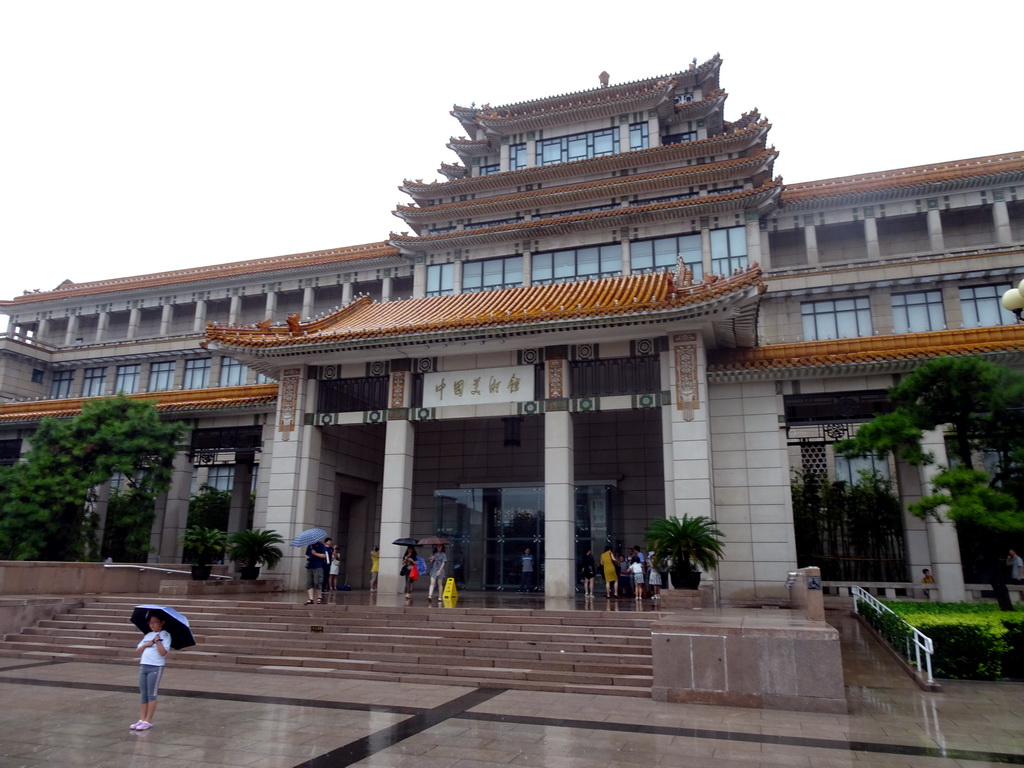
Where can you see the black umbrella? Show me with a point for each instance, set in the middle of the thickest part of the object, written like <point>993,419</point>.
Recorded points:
<point>175,623</point>
<point>405,542</point>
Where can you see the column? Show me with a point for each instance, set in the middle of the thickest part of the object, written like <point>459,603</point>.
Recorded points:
<point>457,271</point>
<point>531,153</point>
<point>293,502</point>
<point>102,323</point>
<point>627,258</point>
<point>72,331</point>
<point>134,317</point>
<point>623,137</point>
<point>503,157</point>
<point>559,506</point>
<point>419,280</point>
<point>1001,220</point>
<point>235,309</point>
<point>386,287</point>
<point>752,232</point>
<point>811,245</point>
<point>42,329</point>
<point>871,237</point>
<point>199,322</point>
<point>347,288</point>
<point>308,296</point>
<point>705,248</point>
<point>166,316</point>
<point>935,239</point>
<point>396,501</point>
<point>527,268</point>
<point>172,512</point>
<point>270,307</point>
<point>653,132</point>
<point>943,543</point>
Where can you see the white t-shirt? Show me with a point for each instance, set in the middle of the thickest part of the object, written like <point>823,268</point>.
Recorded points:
<point>152,656</point>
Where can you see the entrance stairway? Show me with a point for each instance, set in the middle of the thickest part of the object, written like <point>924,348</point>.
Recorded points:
<point>604,652</point>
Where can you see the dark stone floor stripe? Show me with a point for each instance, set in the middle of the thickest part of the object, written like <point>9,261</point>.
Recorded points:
<point>755,738</point>
<point>361,749</point>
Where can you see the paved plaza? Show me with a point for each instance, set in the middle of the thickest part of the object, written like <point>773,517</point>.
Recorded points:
<point>77,714</point>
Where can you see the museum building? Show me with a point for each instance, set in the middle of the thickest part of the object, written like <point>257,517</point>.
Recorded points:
<point>609,311</point>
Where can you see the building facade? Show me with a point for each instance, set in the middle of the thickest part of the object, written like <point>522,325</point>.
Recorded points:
<point>610,311</point>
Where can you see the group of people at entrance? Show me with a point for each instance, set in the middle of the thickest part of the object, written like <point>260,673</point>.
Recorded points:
<point>632,574</point>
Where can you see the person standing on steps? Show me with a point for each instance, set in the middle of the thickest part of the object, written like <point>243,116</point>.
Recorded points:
<point>437,563</point>
<point>588,570</point>
<point>526,579</point>
<point>151,651</point>
<point>329,550</point>
<point>374,567</point>
<point>611,573</point>
<point>316,565</point>
<point>408,563</point>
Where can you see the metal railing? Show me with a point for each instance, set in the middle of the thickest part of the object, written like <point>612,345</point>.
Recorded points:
<point>922,644</point>
<point>164,570</point>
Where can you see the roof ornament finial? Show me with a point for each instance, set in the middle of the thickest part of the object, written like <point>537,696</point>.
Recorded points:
<point>603,77</point>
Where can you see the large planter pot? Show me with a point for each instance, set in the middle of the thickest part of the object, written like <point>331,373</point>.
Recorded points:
<point>249,572</point>
<point>686,579</point>
<point>201,572</point>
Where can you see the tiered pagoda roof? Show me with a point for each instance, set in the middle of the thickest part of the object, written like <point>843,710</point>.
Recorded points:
<point>633,300</point>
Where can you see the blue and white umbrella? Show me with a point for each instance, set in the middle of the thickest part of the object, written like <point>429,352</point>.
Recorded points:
<point>175,623</point>
<point>311,536</point>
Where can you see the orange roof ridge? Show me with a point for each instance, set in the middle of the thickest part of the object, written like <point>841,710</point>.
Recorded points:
<point>637,294</point>
<point>869,349</point>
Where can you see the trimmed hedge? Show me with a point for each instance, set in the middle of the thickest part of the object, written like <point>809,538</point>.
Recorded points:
<point>973,641</point>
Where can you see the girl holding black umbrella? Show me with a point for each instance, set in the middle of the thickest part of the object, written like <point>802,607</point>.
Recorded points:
<point>151,650</point>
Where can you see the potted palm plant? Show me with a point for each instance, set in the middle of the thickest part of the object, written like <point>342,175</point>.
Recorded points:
<point>203,544</point>
<point>688,544</point>
<point>251,548</point>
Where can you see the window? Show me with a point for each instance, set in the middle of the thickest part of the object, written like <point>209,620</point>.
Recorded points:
<point>664,253</point>
<point>728,250</point>
<point>61,385</point>
<point>487,170</point>
<point>836,319</point>
<point>560,266</point>
<point>221,477</point>
<point>232,372</point>
<point>492,274</point>
<point>638,137</point>
<point>679,138</point>
<point>440,279</point>
<point>917,312</point>
<point>197,373</point>
<point>579,146</point>
<point>126,380</point>
<point>848,470</point>
<point>161,376</point>
<point>492,223</point>
<point>92,382</point>
<point>980,306</point>
<point>262,378</point>
<point>516,157</point>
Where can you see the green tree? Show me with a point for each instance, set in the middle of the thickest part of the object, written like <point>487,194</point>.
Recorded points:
<point>982,407</point>
<point>45,503</point>
<point>210,508</point>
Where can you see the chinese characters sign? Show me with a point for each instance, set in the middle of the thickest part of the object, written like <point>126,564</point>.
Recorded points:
<point>490,385</point>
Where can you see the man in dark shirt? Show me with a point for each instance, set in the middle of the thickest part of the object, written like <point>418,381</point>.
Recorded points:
<point>316,558</point>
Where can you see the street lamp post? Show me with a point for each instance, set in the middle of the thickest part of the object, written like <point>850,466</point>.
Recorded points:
<point>1013,300</point>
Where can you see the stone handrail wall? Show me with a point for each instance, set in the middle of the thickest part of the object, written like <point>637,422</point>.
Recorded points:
<point>34,577</point>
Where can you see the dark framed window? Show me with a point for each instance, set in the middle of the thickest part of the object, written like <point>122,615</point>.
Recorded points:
<point>559,266</point>
<point>60,387</point>
<point>197,373</point>
<point>980,306</point>
<point>665,252</point>
<point>126,379</point>
<point>917,312</point>
<point>10,451</point>
<point>588,209</point>
<point>494,223</point>
<point>487,170</point>
<point>616,376</point>
<point>679,138</point>
<point>369,393</point>
<point>638,136</point>
<point>728,250</point>
<point>836,319</point>
<point>440,279</point>
<point>578,146</point>
<point>92,382</point>
<point>516,157</point>
<point>491,274</point>
<point>161,376</point>
<point>232,372</point>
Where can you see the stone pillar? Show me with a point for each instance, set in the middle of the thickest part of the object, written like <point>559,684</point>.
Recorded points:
<point>811,244</point>
<point>134,318</point>
<point>653,132</point>
<point>396,501</point>
<point>1001,220</point>
<point>503,157</point>
<point>72,331</point>
<point>199,322</point>
<point>419,280</point>
<point>235,309</point>
<point>531,153</point>
<point>623,137</point>
<point>270,307</point>
<point>943,543</point>
<point>166,316</point>
<point>871,238</point>
<point>935,238</point>
<point>705,250</point>
<point>627,257</point>
<point>527,268</point>
<point>387,285</point>
<point>172,511</point>
<point>102,323</point>
<point>347,290</point>
<point>753,237</point>
<point>293,502</point>
<point>308,297</point>
<point>559,506</point>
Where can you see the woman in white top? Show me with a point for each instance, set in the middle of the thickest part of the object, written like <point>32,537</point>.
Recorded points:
<point>151,650</point>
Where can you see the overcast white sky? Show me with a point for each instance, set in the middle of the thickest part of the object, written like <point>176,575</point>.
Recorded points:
<point>138,137</point>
